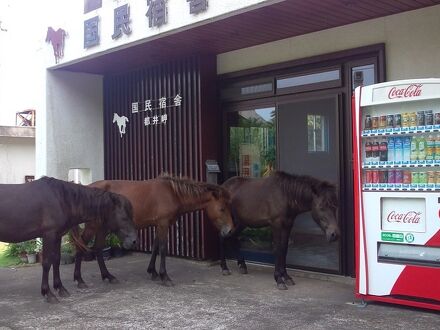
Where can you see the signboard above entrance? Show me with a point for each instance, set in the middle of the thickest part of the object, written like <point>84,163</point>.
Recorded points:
<point>157,15</point>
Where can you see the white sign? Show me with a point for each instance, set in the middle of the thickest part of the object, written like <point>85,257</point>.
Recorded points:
<point>405,92</point>
<point>403,214</point>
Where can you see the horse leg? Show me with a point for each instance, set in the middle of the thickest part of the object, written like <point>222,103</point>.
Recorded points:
<point>277,243</point>
<point>152,265</point>
<point>98,246</point>
<point>57,285</point>
<point>163,243</point>
<point>86,237</point>
<point>48,248</point>
<point>285,244</point>
<point>223,265</point>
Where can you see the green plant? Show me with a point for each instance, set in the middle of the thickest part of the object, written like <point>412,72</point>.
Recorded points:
<point>113,241</point>
<point>17,249</point>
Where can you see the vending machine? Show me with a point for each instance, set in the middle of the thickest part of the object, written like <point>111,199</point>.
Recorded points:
<point>396,144</point>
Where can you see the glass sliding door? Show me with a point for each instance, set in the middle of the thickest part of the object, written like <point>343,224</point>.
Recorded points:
<point>251,137</point>
<point>309,145</point>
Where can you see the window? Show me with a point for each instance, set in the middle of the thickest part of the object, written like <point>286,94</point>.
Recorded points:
<point>317,131</point>
<point>252,148</point>
<point>309,81</point>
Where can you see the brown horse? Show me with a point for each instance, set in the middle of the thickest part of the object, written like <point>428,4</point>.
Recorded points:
<point>275,201</point>
<point>48,208</point>
<point>158,202</point>
<point>57,40</point>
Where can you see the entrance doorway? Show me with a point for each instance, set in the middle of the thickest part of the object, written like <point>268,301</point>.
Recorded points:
<point>296,117</point>
<point>298,137</point>
<point>309,145</point>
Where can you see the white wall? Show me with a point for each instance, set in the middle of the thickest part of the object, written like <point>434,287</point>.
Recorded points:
<point>412,45</point>
<point>73,132</point>
<point>17,159</point>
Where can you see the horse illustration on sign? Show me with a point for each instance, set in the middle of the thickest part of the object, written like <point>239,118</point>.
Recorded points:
<point>121,121</point>
<point>57,40</point>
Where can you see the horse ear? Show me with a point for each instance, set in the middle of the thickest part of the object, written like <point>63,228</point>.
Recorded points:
<point>215,193</point>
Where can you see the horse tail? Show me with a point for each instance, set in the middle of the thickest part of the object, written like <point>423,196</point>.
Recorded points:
<point>77,240</point>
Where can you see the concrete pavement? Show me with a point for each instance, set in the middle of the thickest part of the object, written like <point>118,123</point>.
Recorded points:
<point>201,299</point>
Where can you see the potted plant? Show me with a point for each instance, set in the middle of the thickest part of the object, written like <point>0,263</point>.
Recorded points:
<point>31,248</point>
<point>17,250</point>
<point>67,250</point>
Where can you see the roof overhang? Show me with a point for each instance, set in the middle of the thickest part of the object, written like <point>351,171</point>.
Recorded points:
<point>281,20</point>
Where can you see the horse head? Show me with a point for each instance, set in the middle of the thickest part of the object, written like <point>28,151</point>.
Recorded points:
<point>115,117</point>
<point>324,209</point>
<point>218,209</point>
<point>49,34</point>
<point>120,220</point>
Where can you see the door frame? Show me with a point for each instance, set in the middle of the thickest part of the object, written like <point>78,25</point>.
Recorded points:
<point>346,59</point>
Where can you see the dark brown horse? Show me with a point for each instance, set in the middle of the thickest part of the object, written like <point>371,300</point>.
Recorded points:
<point>57,40</point>
<point>275,201</point>
<point>48,208</point>
<point>158,202</point>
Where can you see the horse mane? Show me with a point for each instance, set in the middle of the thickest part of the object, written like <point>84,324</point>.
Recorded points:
<point>304,186</point>
<point>186,188</point>
<point>93,200</point>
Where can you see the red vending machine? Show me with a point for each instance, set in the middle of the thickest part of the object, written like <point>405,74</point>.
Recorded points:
<point>396,142</point>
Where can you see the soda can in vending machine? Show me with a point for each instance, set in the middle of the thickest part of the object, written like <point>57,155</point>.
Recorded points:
<point>423,178</point>
<point>412,119</point>
<point>368,177</point>
<point>406,177</point>
<point>391,176</point>
<point>437,118</point>
<point>405,119</point>
<point>437,179</point>
<point>375,176</point>
<point>374,122</point>
<point>383,176</point>
<point>420,118</point>
<point>431,177</point>
<point>367,122</point>
<point>398,176</point>
<point>397,120</point>
<point>429,119</point>
<point>414,177</point>
<point>383,121</point>
<point>390,121</point>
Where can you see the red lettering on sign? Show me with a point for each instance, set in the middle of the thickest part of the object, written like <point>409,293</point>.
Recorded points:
<point>412,90</point>
<point>408,217</point>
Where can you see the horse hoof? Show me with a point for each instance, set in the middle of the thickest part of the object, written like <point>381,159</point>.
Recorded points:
<point>82,286</point>
<point>167,283</point>
<point>281,286</point>
<point>113,280</point>
<point>154,277</point>
<point>289,281</point>
<point>226,272</point>
<point>62,292</point>
<point>51,299</point>
<point>243,270</point>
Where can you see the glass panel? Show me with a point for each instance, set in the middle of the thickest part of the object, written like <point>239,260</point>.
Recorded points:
<point>317,133</point>
<point>252,152</point>
<point>362,75</point>
<point>254,89</point>
<point>251,142</point>
<point>303,135</point>
<point>308,79</point>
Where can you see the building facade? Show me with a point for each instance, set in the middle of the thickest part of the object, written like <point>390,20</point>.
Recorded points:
<point>145,87</point>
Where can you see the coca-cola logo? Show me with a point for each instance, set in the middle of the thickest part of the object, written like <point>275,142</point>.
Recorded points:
<point>408,217</point>
<point>412,90</point>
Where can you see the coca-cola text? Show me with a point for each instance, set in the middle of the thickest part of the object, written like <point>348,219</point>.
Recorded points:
<point>408,217</point>
<point>412,90</point>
